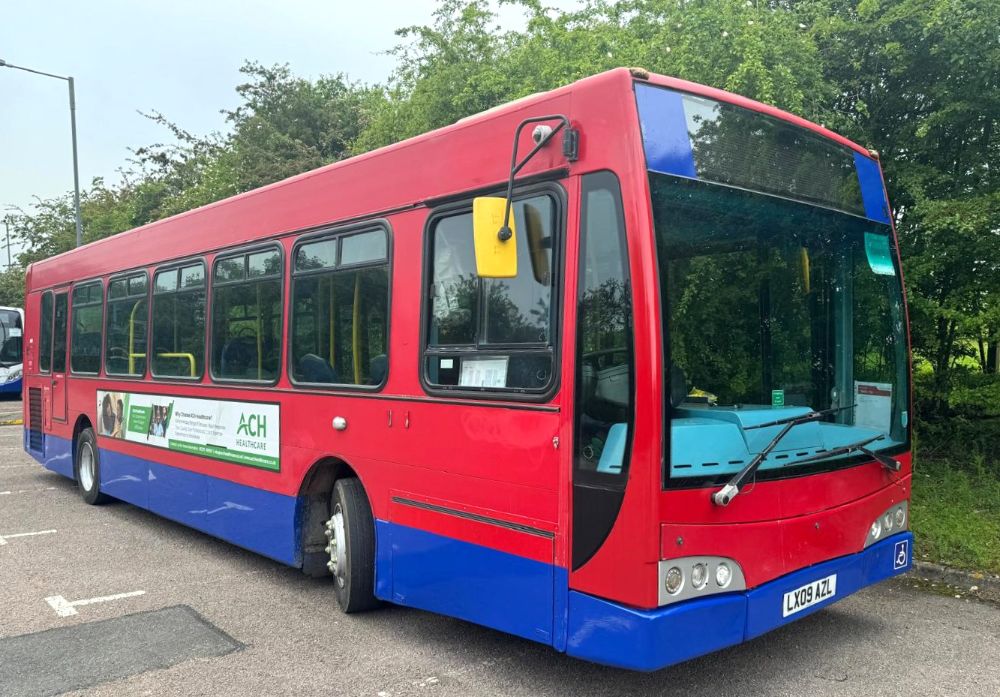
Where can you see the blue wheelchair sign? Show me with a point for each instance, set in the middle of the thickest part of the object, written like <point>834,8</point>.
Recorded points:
<point>901,554</point>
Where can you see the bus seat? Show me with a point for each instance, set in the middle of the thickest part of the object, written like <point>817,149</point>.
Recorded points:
<point>313,368</point>
<point>239,358</point>
<point>377,369</point>
<point>613,454</point>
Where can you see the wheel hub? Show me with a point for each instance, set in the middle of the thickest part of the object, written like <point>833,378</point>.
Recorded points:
<point>337,547</point>
<point>87,474</point>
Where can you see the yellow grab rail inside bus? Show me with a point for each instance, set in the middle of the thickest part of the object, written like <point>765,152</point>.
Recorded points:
<point>333,325</point>
<point>260,357</point>
<point>132,355</point>
<point>188,356</point>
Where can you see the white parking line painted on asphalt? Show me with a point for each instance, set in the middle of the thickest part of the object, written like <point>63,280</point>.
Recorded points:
<point>27,491</point>
<point>4,538</point>
<point>10,467</point>
<point>65,608</point>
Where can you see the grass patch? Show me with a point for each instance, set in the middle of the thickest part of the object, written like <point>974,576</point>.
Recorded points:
<point>956,512</point>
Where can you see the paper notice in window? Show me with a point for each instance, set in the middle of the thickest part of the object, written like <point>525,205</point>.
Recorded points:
<point>873,408</point>
<point>484,372</point>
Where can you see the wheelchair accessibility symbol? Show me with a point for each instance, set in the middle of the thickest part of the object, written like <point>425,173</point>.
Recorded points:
<point>901,554</point>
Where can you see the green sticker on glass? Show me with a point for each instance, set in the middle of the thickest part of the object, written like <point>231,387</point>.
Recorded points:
<point>879,254</point>
<point>777,398</point>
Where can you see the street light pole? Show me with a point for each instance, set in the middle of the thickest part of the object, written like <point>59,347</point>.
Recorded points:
<point>76,164</point>
<point>72,121</point>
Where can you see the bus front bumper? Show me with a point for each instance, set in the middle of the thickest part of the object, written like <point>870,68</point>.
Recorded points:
<point>616,635</point>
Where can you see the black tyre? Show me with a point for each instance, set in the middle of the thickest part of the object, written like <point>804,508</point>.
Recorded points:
<point>351,531</point>
<point>87,468</point>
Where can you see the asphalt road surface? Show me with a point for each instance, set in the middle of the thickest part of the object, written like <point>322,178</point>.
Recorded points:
<point>115,600</point>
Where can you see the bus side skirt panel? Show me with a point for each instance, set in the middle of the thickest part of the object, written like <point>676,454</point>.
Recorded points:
<point>441,574</point>
<point>57,455</point>
<point>260,521</point>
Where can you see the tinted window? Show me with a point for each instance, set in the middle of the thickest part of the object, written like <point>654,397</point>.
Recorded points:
<point>246,317</point>
<point>59,335</point>
<point>45,333</point>
<point>340,316</point>
<point>126,326</point>
<point>85,348</point>
<point>178,338</point>
<point>11,335</point>
<point>493,333</point>
<point>604,334</point>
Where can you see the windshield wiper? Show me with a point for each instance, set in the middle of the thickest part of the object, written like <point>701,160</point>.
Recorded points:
<point>889,463</point>
<point>727,493</point>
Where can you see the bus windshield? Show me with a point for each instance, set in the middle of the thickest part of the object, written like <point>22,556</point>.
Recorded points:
<point>774,308</point>
<point>10,338</point>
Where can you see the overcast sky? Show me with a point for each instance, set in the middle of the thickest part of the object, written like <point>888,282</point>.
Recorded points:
<point>179,57</point>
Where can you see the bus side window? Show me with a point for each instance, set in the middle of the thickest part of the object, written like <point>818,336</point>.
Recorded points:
<point>45,333</point>
<point>340,310</point>
<point>125,352</point>
<point>85,344</point>
<point>246,316</point>
<point>178,336</point>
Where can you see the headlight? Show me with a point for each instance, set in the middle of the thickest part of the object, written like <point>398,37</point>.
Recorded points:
<point>699,575</point>
<point>692,577</point>
<point>14,375</point>
<point>891,521</point>
<point>674,580</point>
<point>723,575</point>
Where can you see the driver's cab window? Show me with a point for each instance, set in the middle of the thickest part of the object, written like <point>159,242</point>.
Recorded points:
<point>493,335</point>
<point>605,366</point>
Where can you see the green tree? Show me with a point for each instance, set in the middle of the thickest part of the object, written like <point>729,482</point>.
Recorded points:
<point>920,81</point>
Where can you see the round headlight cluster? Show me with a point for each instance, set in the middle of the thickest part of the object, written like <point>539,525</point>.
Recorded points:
<point>673,580</point>
<point>685,578</point>
<point>890,522</point>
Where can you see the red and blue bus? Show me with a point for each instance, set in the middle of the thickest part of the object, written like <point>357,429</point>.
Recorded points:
<point>638,390</point>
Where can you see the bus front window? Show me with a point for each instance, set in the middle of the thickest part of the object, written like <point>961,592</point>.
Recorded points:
<point>10,338</point>
<point>773,308</point>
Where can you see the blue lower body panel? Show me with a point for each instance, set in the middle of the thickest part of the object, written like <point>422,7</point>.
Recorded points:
<point>472,582</point>
<point>609,633</point>
<point>13,387</point>
<point>255,519</point>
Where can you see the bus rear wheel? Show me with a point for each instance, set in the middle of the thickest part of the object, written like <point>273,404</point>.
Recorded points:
<point>87,468</point>
<point>351,534</point>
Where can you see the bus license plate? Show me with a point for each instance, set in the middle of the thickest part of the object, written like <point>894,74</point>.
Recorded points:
<point>808,595</point>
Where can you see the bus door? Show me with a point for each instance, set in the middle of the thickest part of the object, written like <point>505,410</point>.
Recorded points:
<point>60,328</point>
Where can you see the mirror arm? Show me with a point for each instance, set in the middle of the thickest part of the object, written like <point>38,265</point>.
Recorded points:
<point>570,142</point>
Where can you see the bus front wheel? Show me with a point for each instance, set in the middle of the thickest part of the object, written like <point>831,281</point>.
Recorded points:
<point>351,534</point>
<point>88,468</point>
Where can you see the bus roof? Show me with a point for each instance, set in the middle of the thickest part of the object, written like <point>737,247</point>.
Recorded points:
<point>473,153</point>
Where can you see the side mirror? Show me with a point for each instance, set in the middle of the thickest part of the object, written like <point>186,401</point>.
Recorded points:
<point>496,257</point>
